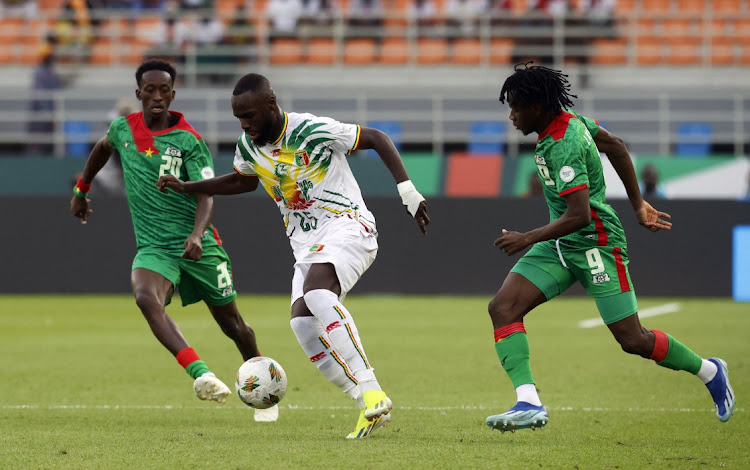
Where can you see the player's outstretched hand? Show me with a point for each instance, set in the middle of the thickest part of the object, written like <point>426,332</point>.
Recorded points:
<point>421,217</point>
<point>79,207</point>
<point>653,219</point>
<point>193,248</point>
<point>171,182</point>
<point>511,242</point>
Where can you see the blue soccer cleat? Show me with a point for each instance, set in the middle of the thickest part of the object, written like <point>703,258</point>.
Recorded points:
<point>522,415</point>
<point>721,391</point>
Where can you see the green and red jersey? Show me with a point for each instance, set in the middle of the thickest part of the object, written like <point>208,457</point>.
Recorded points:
<point>569,161</point>
<point>161,220</point>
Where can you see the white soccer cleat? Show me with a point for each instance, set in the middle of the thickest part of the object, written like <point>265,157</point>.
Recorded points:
<point>267,415</point>
<point>209,387</point>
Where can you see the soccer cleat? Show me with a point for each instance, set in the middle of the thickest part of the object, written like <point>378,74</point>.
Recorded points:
<point>209,387</point>
<point>365,428</point>
<point>522,415</point>
<point>721,391</point>
<point>376,404</point>
<point>267,415</point>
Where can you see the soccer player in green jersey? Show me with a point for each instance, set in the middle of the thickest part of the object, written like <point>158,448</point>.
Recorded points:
<point>301,161</point>
<point>178,248</point>
<point>583,242</point>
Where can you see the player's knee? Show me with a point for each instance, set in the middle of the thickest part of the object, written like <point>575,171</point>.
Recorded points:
<point>501,310</point>
<point>148,302</point>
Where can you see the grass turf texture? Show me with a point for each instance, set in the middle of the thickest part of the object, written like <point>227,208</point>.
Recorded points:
<point>86,385</point>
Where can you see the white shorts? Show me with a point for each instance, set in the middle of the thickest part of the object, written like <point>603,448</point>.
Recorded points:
<point>345,244</point>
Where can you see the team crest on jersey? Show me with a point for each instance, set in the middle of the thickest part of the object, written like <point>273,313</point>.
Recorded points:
<point>173,152</point>
<point>301,157</point>
<point>600,278</point>
<point>540,160</point>
<point>316,248</point>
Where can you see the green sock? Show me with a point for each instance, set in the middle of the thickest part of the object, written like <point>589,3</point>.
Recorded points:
<point>197,368</point>
<point>680,357</point>
<point>513,352</point>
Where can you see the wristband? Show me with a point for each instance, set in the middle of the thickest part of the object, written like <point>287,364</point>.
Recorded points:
<point>81,189</point>
<point>410,197</point>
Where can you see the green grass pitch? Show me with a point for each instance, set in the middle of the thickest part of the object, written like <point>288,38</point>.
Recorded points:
<point>86,385</point>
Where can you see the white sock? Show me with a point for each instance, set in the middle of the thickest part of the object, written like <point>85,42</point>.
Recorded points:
<point>317,345</point>
<point>527,393</point>
<point>339,325</point>
<point>708,371</point>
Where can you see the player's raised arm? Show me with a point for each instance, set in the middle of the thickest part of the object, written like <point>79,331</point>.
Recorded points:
<point>99,156</point>
<point>618,154</point>
<point>231,183</point>
<point>414,202</point>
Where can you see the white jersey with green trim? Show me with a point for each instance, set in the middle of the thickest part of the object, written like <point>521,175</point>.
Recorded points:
<point>306,172</point>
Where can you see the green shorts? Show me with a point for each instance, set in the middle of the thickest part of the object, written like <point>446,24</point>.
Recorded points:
<point>209,279</point>
<point>601,270</point>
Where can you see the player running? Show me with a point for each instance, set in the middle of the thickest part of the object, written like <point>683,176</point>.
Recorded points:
<point>178,248</point>
<point>583,242</point>
<point>300,160</point>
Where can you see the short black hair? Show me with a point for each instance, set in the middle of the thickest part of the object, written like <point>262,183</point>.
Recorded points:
<point>540,85</point>
<point>252,82</point>
<point>155,64</point>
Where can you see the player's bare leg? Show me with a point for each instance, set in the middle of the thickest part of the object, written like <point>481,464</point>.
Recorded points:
<point>517,297</point>
<point>670,353</point>
<point>232,324</point>
<point>151,291</point>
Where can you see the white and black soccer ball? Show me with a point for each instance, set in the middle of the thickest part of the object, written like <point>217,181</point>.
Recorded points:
<point>260,382</point>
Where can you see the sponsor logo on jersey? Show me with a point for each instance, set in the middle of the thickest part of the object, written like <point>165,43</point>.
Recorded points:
<point>316,248</point>
<point>173,152</point>
<point>600,278</point>
<point>540,160</point>
<point>301,157</point>
<point>332,326</point>
<point>318,357</point>
<point>567,174</point>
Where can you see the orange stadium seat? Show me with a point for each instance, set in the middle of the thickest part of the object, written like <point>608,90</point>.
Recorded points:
<point>624,6</point>
<point>656,6</point>
<point>360,51</point>
<point>473,175</point>
<point>742,31</point>
<point>691,6</point>
<point>431,51</point>
<point>321,51</point>
<point>501,50</point>
<point>684,52</point>
<point>649,51</point>
<point>395,14</point>
<point>726,6</point>
<point>394,50</point>
<point>610,51</point>
<point>466,52</point>
<point>286,51</point>
<point>723,51</point>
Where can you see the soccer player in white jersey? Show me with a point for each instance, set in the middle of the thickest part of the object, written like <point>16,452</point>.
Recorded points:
<point>300,160</point>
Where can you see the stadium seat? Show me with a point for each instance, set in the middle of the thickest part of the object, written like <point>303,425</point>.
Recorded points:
<point>360,51</point>
<point>691,6</point>
<point>649,51</point>
<point>466,52</point>
<point>726,6</point>
<point>321,51</point>
<point>655,6</point>
<point>610,51</point>
<point>77,138</point>
<point>431,51</point>
<point>500,51</point>
<point>285,51</point>
<point>391,128</point>
<point>723,51</point>
<point>473,176</point>
<point>395,51</point>
<point>694,139</point>
<point>683,51</point>
<point>487,137</point>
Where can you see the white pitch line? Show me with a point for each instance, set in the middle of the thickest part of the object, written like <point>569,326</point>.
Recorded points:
<point>349,408</point>
<point>645,313</point>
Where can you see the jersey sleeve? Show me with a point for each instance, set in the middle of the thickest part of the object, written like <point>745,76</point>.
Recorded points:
<point>569,171</point>
<point>199,165</point>
<point>241,165</point>
<point>591,124</point>
<point>345,137</point>
<point>112,133</point>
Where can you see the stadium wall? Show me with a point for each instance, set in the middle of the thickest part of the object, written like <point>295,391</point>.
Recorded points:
<point>46,250</point>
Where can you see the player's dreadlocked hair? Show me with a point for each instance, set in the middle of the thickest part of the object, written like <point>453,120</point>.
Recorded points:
<point>540,85</point>
<point>155,64</point>
<point>252,82</point>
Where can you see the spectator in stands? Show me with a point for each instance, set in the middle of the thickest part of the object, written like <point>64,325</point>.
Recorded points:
<point>600,14</point>
<point>462,16</point>
<point>319,15</point>
<point>539,18</point>
<point>154,6</point>
<point>365,18</point>
<point>200,29</point>
<point>46,81</point>
<point>423,15</point>
<point>284,17</point>
<point>241,33</point>
<point>650,188</point>
<point>26,9</point>
<point>501,13</point>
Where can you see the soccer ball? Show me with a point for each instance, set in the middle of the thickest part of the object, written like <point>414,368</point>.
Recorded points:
<point>260,382</point>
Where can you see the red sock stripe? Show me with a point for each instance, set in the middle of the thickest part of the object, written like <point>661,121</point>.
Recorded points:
<point>661,346</point>
<point>622,274</point>
<point>508,330</point>
<point>187,356</point>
